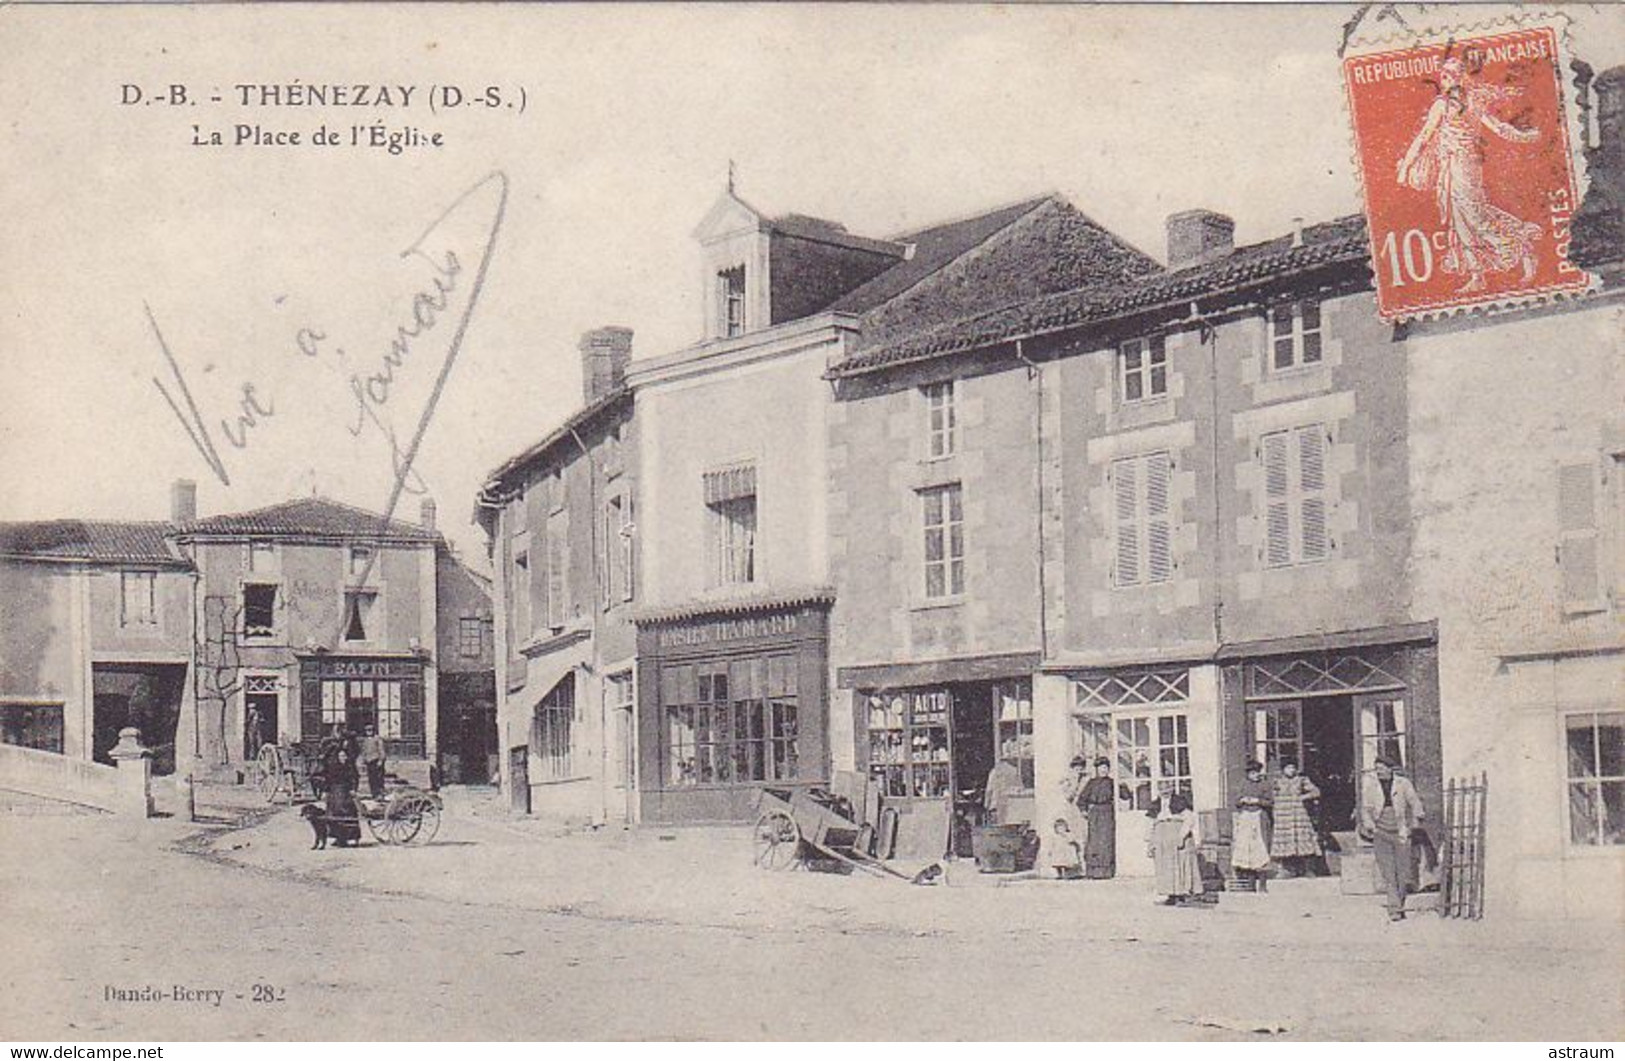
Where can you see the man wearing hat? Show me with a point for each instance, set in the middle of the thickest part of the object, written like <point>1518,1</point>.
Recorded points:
<point>1390,810</point>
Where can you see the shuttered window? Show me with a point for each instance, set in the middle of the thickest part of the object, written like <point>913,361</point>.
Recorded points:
<point>1296,499</point>
<point>558,581</point>
<point>1143,528</point>
<point>1578,552</point>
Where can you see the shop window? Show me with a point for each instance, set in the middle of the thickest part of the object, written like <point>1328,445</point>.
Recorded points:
<point>360,607</point>
<point>732,723</point>
<point>551,732</point>
<point>1142,370</point>
<point>37,726</point>
<point>1295,335</point>
<point>1152,759</point>
<point>944,523</point>
<point>138,598</point>
<point>731,302</point>
<point>1143,533</point>
<point>259,610</point>
<point>1296,500</point>
<point>941,418</point>
<point>1382,731</point>
<point>392,706</point>
<point>730,501</point>
<point>1596,778</point>
<point>908,743</point>
<point>1014,703</point>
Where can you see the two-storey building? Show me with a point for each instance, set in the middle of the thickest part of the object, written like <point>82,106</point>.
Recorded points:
<point>559,520</point>
<point>311,614</point>
<point>95,635</point>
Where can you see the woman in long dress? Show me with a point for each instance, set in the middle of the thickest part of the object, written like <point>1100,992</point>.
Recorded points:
<point>1098,802</point>
<point>1250,855</point>
<point>1447,156</point>
<point>343,816</point>
<point>1293,840</point>
<point>1175,837</point>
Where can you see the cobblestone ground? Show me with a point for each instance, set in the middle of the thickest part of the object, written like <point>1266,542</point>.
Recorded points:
<point>506,929</point>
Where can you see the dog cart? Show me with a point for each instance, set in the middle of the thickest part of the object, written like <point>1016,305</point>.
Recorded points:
<point>807,826</point>
<point>286,771</point>
<point>407,816</point>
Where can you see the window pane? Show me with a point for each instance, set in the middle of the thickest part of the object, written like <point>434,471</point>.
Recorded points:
<point>1159,379</point>
<point>956,577</point>
<point>1133,387</point>
<point>1582,747</point>
<point>1283,353</point>
<point>933,507</point>
<point>934,581</point>
<point>1131,357</point>
<point>1311,348</point>
<point>933,545</point>
<point>955,504</point>
<point>1283,319</point>
<point>1611,745</point>
<point>1613,812</point>
<point>1311,316</point>
<point>1584,814</point>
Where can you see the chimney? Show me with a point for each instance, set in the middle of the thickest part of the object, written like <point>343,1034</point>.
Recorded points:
<point>182,501</point>
<point>605,354</point>
<point>1196,236</point>
<point>426,514</point>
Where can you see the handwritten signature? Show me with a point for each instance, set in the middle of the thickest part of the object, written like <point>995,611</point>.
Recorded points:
<point>370,391</point>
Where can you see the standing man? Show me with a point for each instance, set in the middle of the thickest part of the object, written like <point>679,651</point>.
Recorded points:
<point>372,757</point>
<point>1390,810</point>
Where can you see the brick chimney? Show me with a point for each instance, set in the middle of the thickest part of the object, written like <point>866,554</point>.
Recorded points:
<point>426,514</point>
<point>605,354</point>
<point>1196,236</point>
<point>182,501</point>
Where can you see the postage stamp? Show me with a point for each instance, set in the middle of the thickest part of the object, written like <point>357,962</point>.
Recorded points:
<point>1468,161</point>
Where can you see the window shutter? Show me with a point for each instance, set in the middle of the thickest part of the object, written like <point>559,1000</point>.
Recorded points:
<point>310,705</point>
<point>628,546</point>
<point>1577,553</point>
<point>1125,485</point>
<point>1312,485</point>
<point>1159,539</point>
<point>1277,506</point>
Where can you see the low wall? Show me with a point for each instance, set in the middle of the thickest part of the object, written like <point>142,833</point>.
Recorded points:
<point>53,776</point>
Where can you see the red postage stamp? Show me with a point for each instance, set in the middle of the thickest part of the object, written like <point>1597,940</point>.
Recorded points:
<point>1468,163</point>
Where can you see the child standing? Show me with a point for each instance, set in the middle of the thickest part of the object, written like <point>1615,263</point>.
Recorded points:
<point>1175,837</point>
<point>1062,852</point>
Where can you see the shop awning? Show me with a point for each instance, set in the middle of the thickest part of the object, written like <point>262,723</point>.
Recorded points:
<point>937,672</point>
<point>546,671</point>
<point>729,484</point>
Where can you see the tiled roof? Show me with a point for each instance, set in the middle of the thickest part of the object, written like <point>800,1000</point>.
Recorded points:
<point>95,541</point>
<point>316,517</point>
<point>821,230</point>
<point>1335,242</point>
<point>758,600</point>
<point>934,248</point>
<point>582,417</point>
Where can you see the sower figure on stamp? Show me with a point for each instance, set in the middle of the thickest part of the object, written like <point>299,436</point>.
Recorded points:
<point>1447,155</point>
<point>1390,811</point>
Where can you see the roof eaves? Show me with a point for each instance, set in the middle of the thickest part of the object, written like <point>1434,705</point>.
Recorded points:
<point>581,418</point>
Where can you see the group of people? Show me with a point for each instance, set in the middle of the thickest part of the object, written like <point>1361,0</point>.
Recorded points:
<point>338,755</point>
<point>1273,826</point>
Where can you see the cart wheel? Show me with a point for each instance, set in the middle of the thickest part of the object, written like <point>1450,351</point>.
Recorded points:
<point>777,840</point>
<point>414,820</point>
<point>267,772</point>
<point>381,828</point>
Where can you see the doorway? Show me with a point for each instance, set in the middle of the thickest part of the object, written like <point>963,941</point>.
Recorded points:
<point>1317,733</point>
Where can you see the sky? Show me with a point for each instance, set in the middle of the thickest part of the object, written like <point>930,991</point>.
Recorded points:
<point>120,229</point>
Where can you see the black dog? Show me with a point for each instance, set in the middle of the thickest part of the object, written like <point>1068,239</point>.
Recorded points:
<point>343,833</point>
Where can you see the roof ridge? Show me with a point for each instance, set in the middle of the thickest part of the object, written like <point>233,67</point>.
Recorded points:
<point>1031,202</point>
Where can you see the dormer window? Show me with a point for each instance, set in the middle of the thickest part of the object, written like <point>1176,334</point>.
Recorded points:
<point>731,301</point>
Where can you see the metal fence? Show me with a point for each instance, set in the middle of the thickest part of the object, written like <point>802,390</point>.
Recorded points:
<point>1461,890</point>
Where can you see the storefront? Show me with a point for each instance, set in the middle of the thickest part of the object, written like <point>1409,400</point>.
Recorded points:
<point>356,692</point>
<point>1159,729</point>
<point>729,702</point>
<point>929,736</point>
<point>1333,712</point>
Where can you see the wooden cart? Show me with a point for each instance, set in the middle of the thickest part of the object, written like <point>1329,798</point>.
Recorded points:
<point>802,826</point>
<point>407,816</point>
<point>286,771</point>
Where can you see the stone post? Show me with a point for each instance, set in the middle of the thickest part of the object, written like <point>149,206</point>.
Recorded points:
<point>134,774</point>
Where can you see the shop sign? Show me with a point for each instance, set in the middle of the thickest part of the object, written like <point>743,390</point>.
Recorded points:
<point>363,668</point>
<point>724,630</point>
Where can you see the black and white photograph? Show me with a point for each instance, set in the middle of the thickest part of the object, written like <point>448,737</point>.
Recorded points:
<point>814,522</point>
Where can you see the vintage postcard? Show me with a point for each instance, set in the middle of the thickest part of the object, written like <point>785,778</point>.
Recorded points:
<point>755,522</point>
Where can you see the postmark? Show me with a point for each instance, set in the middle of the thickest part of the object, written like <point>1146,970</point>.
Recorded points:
<point>1466,154</point>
